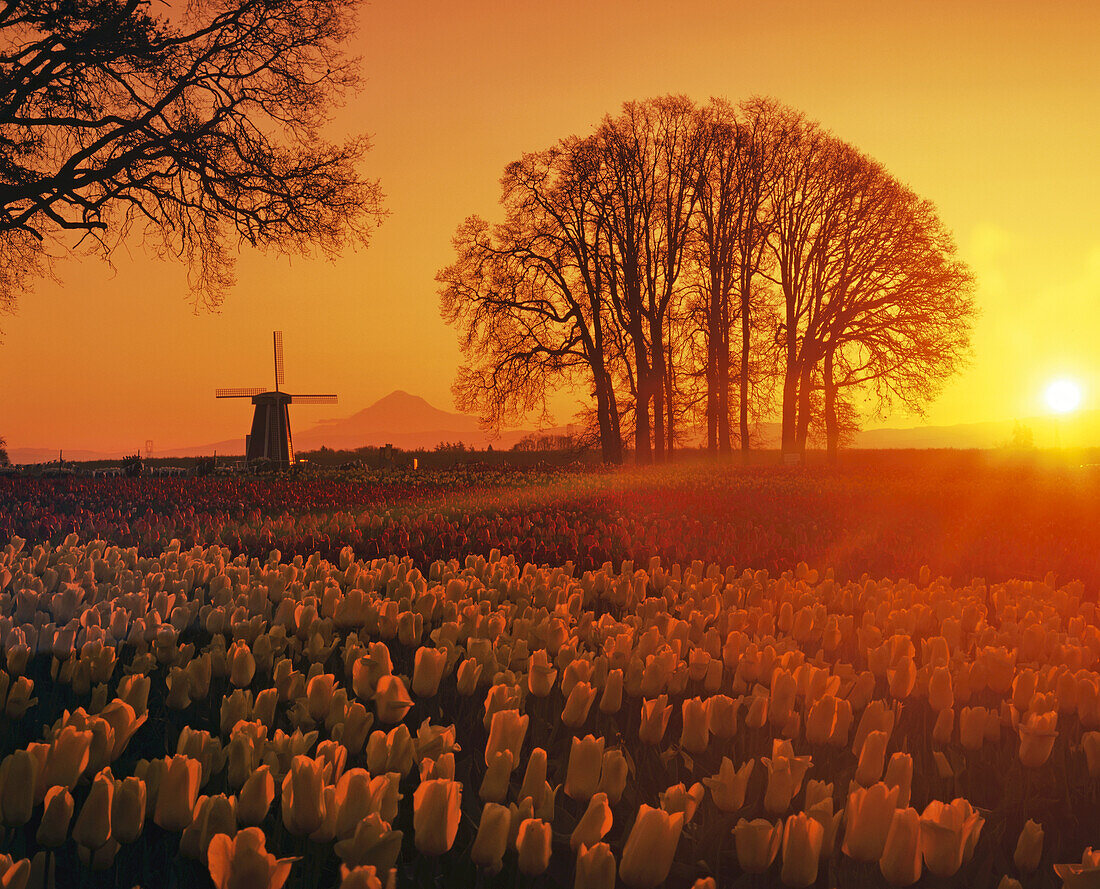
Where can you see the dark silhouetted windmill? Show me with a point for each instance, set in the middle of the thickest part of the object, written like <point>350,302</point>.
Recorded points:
<point>270,437</point>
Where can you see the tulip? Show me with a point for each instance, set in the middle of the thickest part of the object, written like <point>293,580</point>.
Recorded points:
<point>428,668</point>
<point>784,780</point>
<point>655,716</point>
<point>757,715</point>
<point>303,798</point>
<point>582,776</point>
<point>821,720</point>
<point>1037,738</point>
<point>757,843</point>
<point>242,665</point>
<point>612,698</point>
<point>436,813</point>
<point>947,831</point>
<point>594,823</point>
<point>18,779</point>
<point>178,790</point>
<point>876,717</point>
<point>365,876</point>
<point>869,816</point>
<point>802,838</point>
<point>1090,741</point>
<point>945,724</point>
<point>1029,847</point>
<point>533,845</point>
<point>899,774</point>
<point>320,694</point>
<point>695,734</point>
<point>468,676</point>
<point>595,867</point>
<point>391,700</point>
<point>506,732</point>
<point>213,815</point>
<point>900,863</point>
<point>68,757</point>
<point>842,728</point>
<point>613,775</point>
<point>650,848</point>
<point>54,827</point>
<point>534,776</point>
<point>373,843</point>
<point>494,786</point>
<point>243,862</point>
<point>580,700</point>
<point>128,809</point>
<point>728,787</point>
<point>540,674</point>
<point>1080,876</point>
<point>256,797</point>
<point>93,826</point>
<point>492,838</point>
<point>972,722</point>
<point>679,798</point>
<point>941,695</point>
<point>871,758</point>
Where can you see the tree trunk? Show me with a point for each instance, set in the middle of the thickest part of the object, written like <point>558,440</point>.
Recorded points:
<point>642,450</point>
<point>790,406</point>
<point>805,396</point>
<point>611,443</point>
<point>657,388</point>
<point>832,424</point>
<point>743,376</point>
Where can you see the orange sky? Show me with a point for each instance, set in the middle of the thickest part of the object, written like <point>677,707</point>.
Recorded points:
<point>987,108</point>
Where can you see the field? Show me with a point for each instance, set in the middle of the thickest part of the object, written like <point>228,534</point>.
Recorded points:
<point>880,674</point>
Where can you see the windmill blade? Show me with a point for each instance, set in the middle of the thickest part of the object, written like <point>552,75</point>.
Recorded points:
<point>313,399</point>
<point>238,393</point>
<point>278,359</point>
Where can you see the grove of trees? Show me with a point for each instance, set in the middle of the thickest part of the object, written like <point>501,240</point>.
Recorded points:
<point>699,270</point>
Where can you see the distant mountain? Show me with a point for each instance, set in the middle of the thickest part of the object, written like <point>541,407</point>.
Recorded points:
<point>409,422</point>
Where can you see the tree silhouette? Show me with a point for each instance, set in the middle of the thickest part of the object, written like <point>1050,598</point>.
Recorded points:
<point>197,127</point>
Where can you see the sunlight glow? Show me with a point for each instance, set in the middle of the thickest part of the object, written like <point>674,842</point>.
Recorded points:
<point>1063,396</point>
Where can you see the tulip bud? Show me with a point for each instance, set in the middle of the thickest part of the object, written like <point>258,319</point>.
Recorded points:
<point>655,716</point>
<point>650,848</point>
<point>941,695</point>
<point>945,724</point>
<point>1029,847</point>
<point>900,863</point>
<point>68,757</point>
<point>533,845</point>
<point>303,799</point>
<point>128,809</point>
<point>256,797</point>
<point>947,831</point>
<point>756,716</point>
<point>494,786</point>
<point>507,730</point>
<point>1037,738</point>
<point>468,676</point>
<point>54,828</point>
<point>580,700</point>
<point>93,825</point>
<point>391,700</point>
<point>869,816</point>
<point>613,775</point>
<point>722,714</point>
<point>243,860</point>
<point>428,668</point>
<point>540,674</point>
<point>242,665</point>
<point>492,838</point>
<point>757,843</point>
<point>612,699</point>
<point>18,779</point>
<point>583,771</point>
<point>179,788</point>
<point>534,777</point>
<point>899,774</point>
<point>436,813</point>
<point>695,734</point>
<point>595,867</point>
<point>802,837</point>
<point>594,823</point>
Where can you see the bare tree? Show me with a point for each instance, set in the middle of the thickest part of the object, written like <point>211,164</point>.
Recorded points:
<point>197,126</point>
<point>529,294</point>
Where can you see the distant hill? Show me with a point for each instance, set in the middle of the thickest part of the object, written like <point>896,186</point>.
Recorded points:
<point>409,422</point>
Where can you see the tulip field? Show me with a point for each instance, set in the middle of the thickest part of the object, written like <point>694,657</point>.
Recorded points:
<point>886,674</point>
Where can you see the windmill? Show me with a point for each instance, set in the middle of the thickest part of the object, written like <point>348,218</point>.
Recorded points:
<point>270,437</point>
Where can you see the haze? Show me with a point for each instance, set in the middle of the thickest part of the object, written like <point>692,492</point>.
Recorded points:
<point>988,109</point>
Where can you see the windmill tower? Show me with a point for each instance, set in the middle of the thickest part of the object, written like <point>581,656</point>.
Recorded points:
<point>270,436</point>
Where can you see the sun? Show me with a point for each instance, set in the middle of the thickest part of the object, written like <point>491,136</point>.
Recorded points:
<point>1063,396</point>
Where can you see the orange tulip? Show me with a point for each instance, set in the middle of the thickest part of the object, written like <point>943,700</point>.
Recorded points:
<point>802,838</point>
<point>436,813</point>
<point>650,848</point>
<point>582,776</point>
<point>243,862</point>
